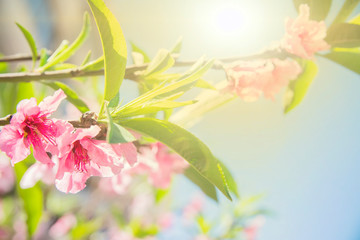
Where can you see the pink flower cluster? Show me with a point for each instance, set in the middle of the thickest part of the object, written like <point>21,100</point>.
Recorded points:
<point>154,161</point>
<point>68,156</point>
<point>250,79</point>
<point>303,36</point>
<point>74,153</point>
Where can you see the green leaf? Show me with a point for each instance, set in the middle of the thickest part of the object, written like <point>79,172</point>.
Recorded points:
<point>138,50</point>
<point>87,58</point>
<point>32,198</point>
<point>355,20</point>
<point>177,48</point>
<point>115,101</point>
<point>67,52</point>
<point>183,84</point>
<point>349,59</point>
<point>31,42</point>
<point>230,180</point>
<point>344,35</point>
<point>44,56</point>
<point>71,95</point>
<point>346,10</point>
<point>298,88</point>
<point>201,83</point>
<point>201,182</point>
<point>114,47</point>
<point>116,133</point>
<point>60,49</point>
<point>153,107</point>
<point>161,62</point>
<point>319,9</point>
<point>97,64</point>
<point>186,145</point>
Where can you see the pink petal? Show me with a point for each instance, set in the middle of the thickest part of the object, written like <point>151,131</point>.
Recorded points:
<point>51,103</point>
<point>72,182</point>
<point>41,155</point>
<point>36,172</point>
<point>26,107</point>
<point>128,150</point>
<point>12,143</point>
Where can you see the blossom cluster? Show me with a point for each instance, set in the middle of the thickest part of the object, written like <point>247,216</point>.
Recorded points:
<point>303,37</point>
<point>68,156</point>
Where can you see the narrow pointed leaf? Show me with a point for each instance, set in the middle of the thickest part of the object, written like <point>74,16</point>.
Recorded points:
<point>97,64</point>
<point>346,10</point>
<point>162,61</point>
<point>177,48</point>
<point>348,59</point>
<point>31,42</point>
<point>186,145</point>
<point>87,58</point>
<point>230,180</point>
<point>195,177</point>
<point>67,52</point>
<point>138,50</point>
<point>345,35</point>
<point>114,47</point>
<point>298,88</point>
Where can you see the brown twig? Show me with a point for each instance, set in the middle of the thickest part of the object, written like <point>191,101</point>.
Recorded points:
<point>130,72</point>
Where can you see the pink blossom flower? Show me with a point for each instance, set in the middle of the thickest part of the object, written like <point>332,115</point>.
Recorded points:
<point>7,177</point>
<point>303,36</point>
<point>155,161</point>
<point>62,226</point>
<point>250,79</point>
<point>81,156</point>
<point>160,164</point>
<point>29,126</point>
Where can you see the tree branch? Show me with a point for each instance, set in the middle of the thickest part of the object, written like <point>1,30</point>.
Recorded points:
<point>19,57</point>
<point>130,72</point>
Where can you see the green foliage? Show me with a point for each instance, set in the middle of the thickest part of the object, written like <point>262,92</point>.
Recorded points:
<point>71,95</point>
<point>32,198</point>
<point>161,97</point>
<point>139,51</point>
<point>345,35</point>
<point>349,58</point>
<point>298,88</point>
<point>177,47</point>
<point>186,145</point>
<point>114,47</point>
<point>346,10</point>
<point>230,180</point>
<point>319,9</point>
<point>116,133</point>
<point>44,56</point>
<point>97,64</point>
<point>64,52</point>
<point>161,62</point>
<point>201,83</point>
<point>87,58</point>
<point>195,177</point>
<point>31,42</point>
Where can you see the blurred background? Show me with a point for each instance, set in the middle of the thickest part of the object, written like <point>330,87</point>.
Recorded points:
<point>306,163</point>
